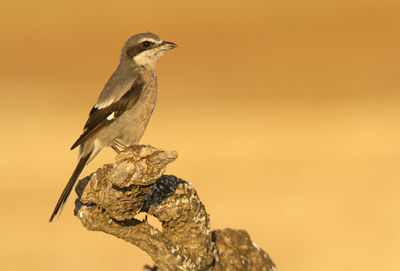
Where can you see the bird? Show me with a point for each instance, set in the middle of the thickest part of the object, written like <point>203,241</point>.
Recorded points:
<point>124,107</point>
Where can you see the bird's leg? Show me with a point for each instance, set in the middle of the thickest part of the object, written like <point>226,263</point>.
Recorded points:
<point>115,148</point>
<point>118,147</point>
<point>119,144</point>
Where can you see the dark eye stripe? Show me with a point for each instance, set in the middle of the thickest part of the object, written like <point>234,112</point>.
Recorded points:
<point>138,48</point>
<point>135,50</point>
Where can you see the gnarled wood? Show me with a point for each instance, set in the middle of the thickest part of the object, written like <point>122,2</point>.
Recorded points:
<point>109,199</point>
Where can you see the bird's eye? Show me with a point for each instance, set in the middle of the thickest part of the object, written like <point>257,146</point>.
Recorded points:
<point>146,43</point>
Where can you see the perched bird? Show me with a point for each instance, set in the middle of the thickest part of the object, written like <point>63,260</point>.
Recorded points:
<point>123,109</point>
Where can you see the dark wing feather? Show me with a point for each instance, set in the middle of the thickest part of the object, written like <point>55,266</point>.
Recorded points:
<point>98,117</point>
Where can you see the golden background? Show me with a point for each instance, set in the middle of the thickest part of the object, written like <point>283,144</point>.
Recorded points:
<point>285,115</point>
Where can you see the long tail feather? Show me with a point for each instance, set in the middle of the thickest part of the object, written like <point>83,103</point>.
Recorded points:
<point>70,185</point>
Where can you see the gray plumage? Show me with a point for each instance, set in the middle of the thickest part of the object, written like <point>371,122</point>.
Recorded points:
<point>124,107</point>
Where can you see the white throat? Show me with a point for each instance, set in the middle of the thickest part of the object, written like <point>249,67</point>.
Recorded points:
<point>148,57</point>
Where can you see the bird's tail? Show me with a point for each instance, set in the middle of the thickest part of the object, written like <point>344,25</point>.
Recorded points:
<point>68,188</point>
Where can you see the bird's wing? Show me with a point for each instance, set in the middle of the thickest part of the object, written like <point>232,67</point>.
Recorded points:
<point>100,117</point>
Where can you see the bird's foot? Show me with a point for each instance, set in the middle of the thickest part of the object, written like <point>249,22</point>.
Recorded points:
<point>115,148</point>
<point>118,147</point>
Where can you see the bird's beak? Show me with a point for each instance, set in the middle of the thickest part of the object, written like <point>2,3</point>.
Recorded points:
<point>167,45</point>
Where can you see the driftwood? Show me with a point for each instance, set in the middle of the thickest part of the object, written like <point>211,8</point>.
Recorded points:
<point>110,198</point>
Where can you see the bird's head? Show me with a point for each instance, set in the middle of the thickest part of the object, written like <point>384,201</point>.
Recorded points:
<point>144,49</point>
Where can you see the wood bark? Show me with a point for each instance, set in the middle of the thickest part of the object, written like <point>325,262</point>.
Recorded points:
<point>110,198</point>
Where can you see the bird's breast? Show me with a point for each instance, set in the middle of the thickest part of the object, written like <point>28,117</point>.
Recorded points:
<point>134,121</point>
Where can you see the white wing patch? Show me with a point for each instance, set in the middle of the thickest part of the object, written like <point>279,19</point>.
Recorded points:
<point>111,116</point>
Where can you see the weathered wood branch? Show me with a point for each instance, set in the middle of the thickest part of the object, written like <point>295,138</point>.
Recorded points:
<point>109,199</point>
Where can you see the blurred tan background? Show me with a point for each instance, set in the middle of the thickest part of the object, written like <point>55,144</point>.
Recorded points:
<point>285,115</point>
